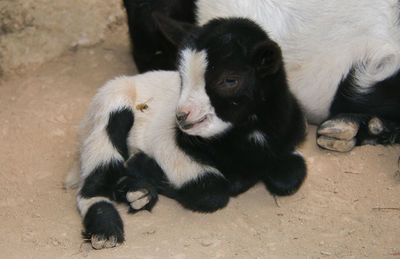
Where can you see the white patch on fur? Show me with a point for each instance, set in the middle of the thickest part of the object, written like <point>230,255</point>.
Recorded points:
<point>322,40</point>
<point>378,66</point>
<point>194,99</point>
<point>257,137</point>
<point>84,204</point>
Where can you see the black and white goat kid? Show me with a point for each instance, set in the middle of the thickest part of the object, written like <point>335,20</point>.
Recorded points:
<point>342,57</point>
<point>199,136</point>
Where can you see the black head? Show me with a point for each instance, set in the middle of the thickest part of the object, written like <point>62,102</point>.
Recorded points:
<point>227,67</point>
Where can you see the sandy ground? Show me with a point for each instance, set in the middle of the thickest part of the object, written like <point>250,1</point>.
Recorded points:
<point>347,208</point>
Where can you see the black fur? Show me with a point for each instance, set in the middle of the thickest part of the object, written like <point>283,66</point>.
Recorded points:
<point>151,50</point>
<point>119,124</point>
<point>101,182</point>
<point>103,220</point>
<point>206,194</point>
<point>286,174</point>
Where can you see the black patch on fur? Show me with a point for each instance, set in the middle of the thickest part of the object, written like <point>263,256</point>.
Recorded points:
<point>286,175</point>
<point>101,182</point>
<point>382,100</point>
<point>208,193</point>
<point>102,219</point>
<point>119,124</point>
<point>151,50</point>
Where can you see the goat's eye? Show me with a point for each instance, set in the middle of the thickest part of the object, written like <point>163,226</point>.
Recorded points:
<point>231,81</point>
<point>228,85</point>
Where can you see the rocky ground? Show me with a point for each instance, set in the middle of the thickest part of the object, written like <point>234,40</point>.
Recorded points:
<point>349,206</point>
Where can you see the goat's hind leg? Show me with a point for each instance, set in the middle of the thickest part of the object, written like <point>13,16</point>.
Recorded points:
<point>359,118</point>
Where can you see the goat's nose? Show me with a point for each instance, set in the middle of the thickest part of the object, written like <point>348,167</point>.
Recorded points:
<point>181,116</point>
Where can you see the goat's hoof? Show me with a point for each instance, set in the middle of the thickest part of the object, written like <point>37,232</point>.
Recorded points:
<point>337,135</point>
<point>345,131</point>
<point>375,126</point>
<point>338,145</point>
<point>141,199</point>
<point>138,199</point>
<point>339,129</point>
<point>100,242</point>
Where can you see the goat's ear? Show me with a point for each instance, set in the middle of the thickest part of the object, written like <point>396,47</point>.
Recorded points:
<point>172,29</point>
<point>267,57</point>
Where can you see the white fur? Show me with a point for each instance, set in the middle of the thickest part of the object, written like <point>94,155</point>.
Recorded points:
<point>194,99</point>
<point>153,131</point>
<point>322,40</point>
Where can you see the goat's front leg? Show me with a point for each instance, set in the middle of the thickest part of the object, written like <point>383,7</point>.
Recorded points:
<point>207,193</point>
<point>285,174</point>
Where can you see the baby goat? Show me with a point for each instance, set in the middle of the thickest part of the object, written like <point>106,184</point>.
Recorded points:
<point>342,57</point>
<point>199,135</point>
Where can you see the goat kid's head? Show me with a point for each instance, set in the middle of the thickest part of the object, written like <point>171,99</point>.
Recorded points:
<point>225,66</point>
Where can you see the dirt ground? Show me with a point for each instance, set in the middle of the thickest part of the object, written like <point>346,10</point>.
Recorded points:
<point>349,206</point>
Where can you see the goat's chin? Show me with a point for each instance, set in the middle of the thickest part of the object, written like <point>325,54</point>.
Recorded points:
<point>208,128</point>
